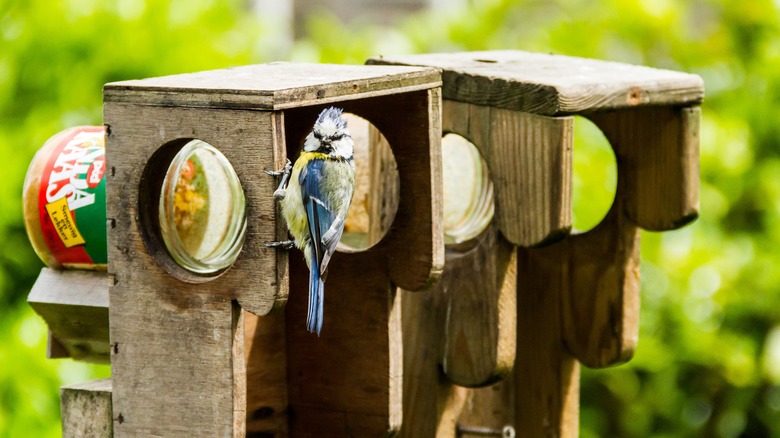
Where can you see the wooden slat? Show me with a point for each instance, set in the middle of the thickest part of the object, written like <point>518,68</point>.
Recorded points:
<point>529,158</point>
<point>177,345</point>
<point>273,86</point>
<point>660,150</point>
<point>546,376</point>
<point>74,304</point>
<point>546,84</point>
<point>350,374</point>
<point>86,410</point>
<point>477,315</point>
<point>266,380</point>
<point>597,277</point>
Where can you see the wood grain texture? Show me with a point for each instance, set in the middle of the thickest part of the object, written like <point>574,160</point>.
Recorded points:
<point>273,86</point>
<point>547,84</point>
<point>478,310</point>
<point>530,164</point>
<point>540,398</point>
<point>596,275</point>
<point>74,305</point>
<point>659,147</point>
<point>350,374</point>
<point>266,379</point>
<point>252,141</point>
<point>546,376</point>
<point>86,410</point>
<point>177,346</point>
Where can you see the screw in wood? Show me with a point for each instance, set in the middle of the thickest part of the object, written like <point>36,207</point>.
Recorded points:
<point>506,432</point>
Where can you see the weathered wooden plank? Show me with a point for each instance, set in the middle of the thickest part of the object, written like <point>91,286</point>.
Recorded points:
<point>266,380</point>
<point>177,340</point>
<point>86,410</point>
<point>547,84</point>
<point>353,369</point>
<point>74,304</point>
<point>597,276</point>
<point>252,141</point>
<point>273,86</point>
<point>530,161</point>
<point>546,376</point>
<point>659,147</point>
<point>477,294</point>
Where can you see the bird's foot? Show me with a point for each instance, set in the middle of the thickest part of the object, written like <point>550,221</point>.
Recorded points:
<point>284,244</point>
<point>280,192</point>
<point>287,168</point>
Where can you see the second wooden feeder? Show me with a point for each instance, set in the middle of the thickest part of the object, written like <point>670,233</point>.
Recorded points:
<point>577,301</point>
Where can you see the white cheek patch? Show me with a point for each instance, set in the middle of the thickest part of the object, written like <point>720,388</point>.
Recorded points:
<point>311,144</point>
<point>343,148</point>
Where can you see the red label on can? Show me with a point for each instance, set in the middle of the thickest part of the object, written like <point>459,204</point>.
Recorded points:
<point>71,201</point>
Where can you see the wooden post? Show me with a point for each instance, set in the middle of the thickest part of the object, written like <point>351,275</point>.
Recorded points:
<point>577,300</point>
<point>86,410</point>
<point>177,338</point>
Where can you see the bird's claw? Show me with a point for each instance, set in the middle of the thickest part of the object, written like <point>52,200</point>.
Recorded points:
<point>285,174</point>
<point>284,244</point>
<point>286,169</point>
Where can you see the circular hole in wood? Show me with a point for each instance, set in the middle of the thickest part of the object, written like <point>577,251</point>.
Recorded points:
<point>468,190</point>
<point>595,176</point>
<point>376,197</point>
<point>193,207</point>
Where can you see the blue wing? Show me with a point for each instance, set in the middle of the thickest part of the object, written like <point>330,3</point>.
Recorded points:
<point>320,219</point>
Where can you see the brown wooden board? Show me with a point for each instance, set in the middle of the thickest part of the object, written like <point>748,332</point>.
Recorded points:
<point>74,304</point>
<point>177,339</point>
<point>548,84</point>
<point>659,150</point>
<point>273,86</point>
<point>530,161</point>
<point>477,311</point>
<point>86,410</point>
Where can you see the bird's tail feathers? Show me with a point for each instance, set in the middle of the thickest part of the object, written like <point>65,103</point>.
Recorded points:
<point>316,300</point>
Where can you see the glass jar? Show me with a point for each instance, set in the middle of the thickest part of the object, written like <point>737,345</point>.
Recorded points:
<point>202,207</point>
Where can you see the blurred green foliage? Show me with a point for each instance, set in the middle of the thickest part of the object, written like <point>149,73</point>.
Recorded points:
<point>708,362</point>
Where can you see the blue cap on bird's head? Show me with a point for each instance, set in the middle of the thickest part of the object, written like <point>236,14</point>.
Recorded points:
<point>332,115</point>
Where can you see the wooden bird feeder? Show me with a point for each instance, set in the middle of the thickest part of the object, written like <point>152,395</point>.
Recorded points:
<point>577,300</point>
<point>494,347</point>
<point>181,363</point>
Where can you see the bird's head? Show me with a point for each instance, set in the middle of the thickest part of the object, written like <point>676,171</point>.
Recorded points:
<point>330,135</point>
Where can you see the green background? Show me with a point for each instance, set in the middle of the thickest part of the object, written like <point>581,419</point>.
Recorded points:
<point>708,362</point>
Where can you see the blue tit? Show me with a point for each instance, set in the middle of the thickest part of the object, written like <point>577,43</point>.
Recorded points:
<point>316,201</point>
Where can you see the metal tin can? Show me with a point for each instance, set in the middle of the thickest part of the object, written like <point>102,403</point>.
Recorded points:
<point>65,199</point>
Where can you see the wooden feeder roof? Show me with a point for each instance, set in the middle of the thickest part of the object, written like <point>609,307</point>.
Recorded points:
<point>272,86</point>
<point>548,85</point>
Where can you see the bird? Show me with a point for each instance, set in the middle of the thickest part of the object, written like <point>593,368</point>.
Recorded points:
<point>315,195</point>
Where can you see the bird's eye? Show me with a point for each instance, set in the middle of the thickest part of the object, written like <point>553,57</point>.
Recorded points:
<point>317,135</point>
<point>337,137</point>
